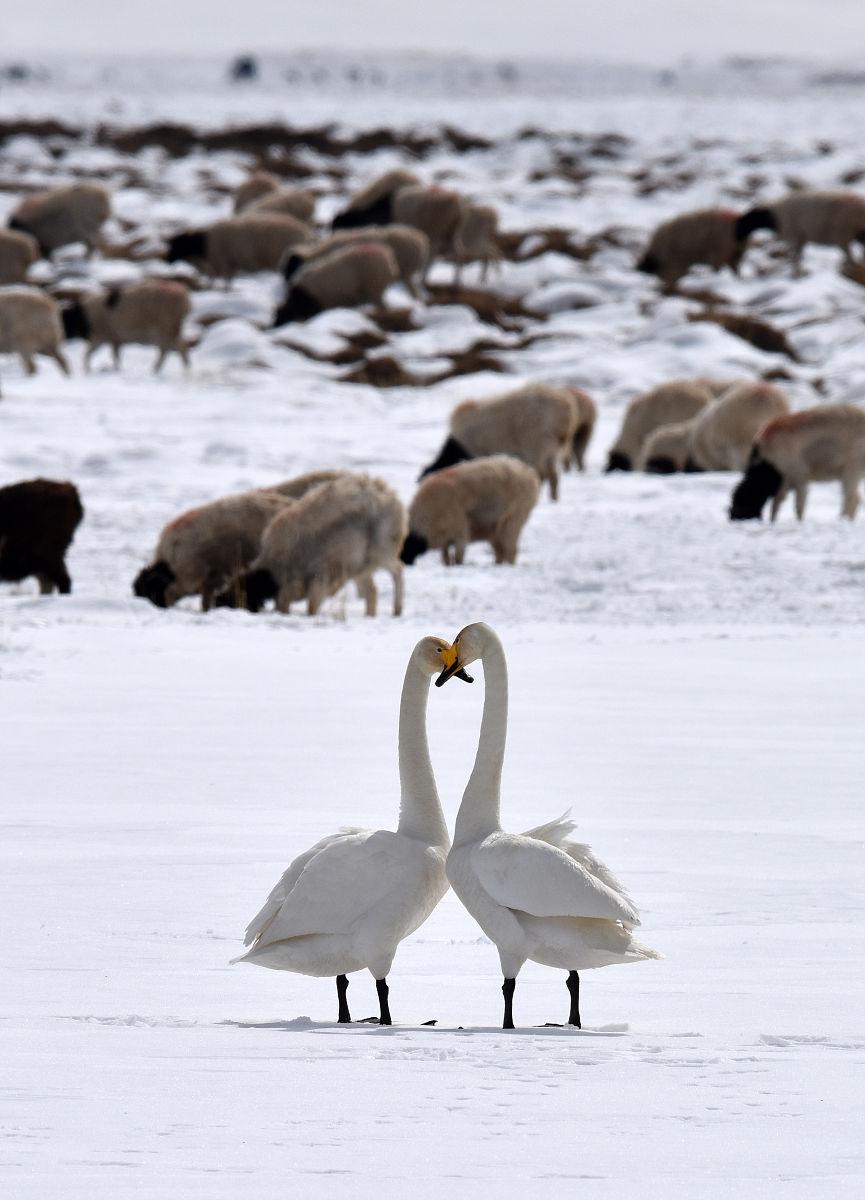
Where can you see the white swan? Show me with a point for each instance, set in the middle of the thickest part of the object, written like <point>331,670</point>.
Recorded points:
<point>536,895</point>
<point>347,903</point>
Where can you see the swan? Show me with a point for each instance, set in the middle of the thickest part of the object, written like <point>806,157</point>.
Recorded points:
<point>537,895</point>
<point>347,902</point>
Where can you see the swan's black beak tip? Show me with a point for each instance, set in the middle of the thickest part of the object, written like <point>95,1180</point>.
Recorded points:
<point>456,672</point>
<point>464,676</point>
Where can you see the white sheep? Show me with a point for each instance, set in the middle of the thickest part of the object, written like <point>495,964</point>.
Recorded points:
<point>535,423</point>
<point>438,212</point>
<point>826,218</point>
<point>709,236</point>
<point>666,404</point>
<point>476,239</point>
<point>817,445</point>
<point>483,500</point>
<point>64,215</point>
<point>348,277</point>
<point>340,531</point>
<point>667,449</point>
<point>410,248</point>
<point>586,414</point>
<point>295,202</point>
<point>256,185</point>
<point>18,252</point>
<point>239,245</point>
<point>723,433</point>
<point>149,314</point>
<point>30,324</point>
<point>200,550</point>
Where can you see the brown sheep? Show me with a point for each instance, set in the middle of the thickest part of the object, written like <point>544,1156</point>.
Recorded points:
<point>666,404</point>
<point>148,314</point>
<point>817,445</point>
<point>723,433</point>
<point>373,205</point>
<point>256,185</point>
<point>586,412</point>
<point>708,236</point>
<point>30,324</point>
<point>436,211</point>
<point>410,248</point>
<point>18,252</point>
<point>63,215</point>
<point>295,202</point>
<point>476,239</point>
<point>38,519</point>
<point>347,278</point>
<point>239,245</point>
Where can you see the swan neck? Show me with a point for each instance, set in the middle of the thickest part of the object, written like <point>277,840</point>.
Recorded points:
<point>420,812</point>
<point>479,811</point>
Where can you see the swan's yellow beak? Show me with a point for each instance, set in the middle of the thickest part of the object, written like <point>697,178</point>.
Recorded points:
<point>452,666</point>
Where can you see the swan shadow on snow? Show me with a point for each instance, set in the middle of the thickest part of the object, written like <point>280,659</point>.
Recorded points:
<point>371,1025</point>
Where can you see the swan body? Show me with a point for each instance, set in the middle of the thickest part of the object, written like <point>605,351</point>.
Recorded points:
<point>345,904</point>
<point>537,895</point>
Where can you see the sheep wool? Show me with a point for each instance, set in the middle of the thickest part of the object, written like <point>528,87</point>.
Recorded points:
<point>666,404</point>
<point>826,218</point>
<point>348,277</point>
<point>722,434</point>
<point>437,212</point>
<point>64,215</point>
<point>30,324</point>
<point>148,314</point>
<point>410,249</point>
<point>295,202</point>
<point>708,236</point>
<point>256,185</point>
<point>18,252</point>
<point>373,204</point>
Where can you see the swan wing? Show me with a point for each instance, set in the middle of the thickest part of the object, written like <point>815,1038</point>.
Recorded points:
<point>555,832</point>
<point>343,881</point>
<point>532,876</point>
<point>587,858</point>
<point>281,890</point>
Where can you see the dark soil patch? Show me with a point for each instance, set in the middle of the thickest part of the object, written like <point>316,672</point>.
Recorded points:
<point>758,333</point>
<point>506,312</point>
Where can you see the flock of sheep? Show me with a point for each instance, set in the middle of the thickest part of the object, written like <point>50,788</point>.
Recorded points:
<point>306,538</point>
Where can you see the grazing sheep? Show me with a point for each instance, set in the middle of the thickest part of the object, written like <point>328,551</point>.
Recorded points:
<point>476,239</point>
<point>200,550</point>
<point>63,215</point>
<point>722,434</point>
<point>18,251</point>
<point>340,531</point>
<point>295,202</point>
<point>827,218</point>
<point>668,449</point>
<point>38,519</point>
<point>373,205</point>
<point>435,211</point>
<point>484,500</point>
<point>293,489</point>
<point>586,413</point>
<point>148,314</point>
<point>347,278</point>
<point>666,404</point>
<point>816,445</point>
<point>239,245</point>
<point>30,324</point>
<point>410,248</point>
<point>709,235</point>
<point>256,185</point>
<point>535,423</point>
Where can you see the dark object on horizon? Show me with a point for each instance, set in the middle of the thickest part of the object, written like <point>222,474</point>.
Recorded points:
<point>244,68</point>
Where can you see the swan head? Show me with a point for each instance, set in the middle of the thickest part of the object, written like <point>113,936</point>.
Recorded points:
<point>433,656</point>
<point>469,645</point>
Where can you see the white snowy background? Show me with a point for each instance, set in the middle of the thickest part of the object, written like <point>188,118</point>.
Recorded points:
<point>693,689</point>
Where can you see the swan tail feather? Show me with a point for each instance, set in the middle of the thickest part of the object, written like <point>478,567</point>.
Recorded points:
<point>554,832</point>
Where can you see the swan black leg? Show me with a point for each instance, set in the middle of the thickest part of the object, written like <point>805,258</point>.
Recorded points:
<point>384,1011</point>
<point>574,989</point>
<point>344,1017</point>
<point>508,989</point>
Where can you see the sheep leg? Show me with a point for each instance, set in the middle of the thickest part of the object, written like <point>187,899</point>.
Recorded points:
<point>459,553</point>
<point>183,351</point>
<point>398,577</point>
<point>796,259</point>
<point>552,477</point>
<point>60,358</point>
<point>160,359</point>
<point>801,497</point>
<point>60,577</point>
<point>581,441</point>
<point>779,498</point>
<point>115,354</point>
<point>850,486</point>
<point>314,597</point>
<point>344,1017</point>
<point>367,590</point>
<point>283,600</point>
<point>508,988</point>
<point>46,585</point>
<point>498,549</point>
<point>573,984</point>
<point>446,555</point>
<point>92,347</point>
<point>29,364</point>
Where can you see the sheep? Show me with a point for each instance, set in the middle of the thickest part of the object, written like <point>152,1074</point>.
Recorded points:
<point>293,489</point>
<point>815,445</point>
<point>18,251</point>
<point>201,549</point>
<point>348,277</point>
<point>243,244</point>
<point>62,215</point>
<point>38,519</point>
<point>586,413</point>
<point>709,235</point>
<point>256,185</point>
<point>295,202</point>
<point>535,423</point>
<point>476,239</point>
<point>666,404</point>
<point>340,531</point>
<point>373,205</point>
<point>437,212</point>
<point>484,500</point>
<point>722,434</point>
<point>149,314</point>
<point>410,248</point>
<point>30,324</point>
<point>667,449</point>
<point>827,218</point>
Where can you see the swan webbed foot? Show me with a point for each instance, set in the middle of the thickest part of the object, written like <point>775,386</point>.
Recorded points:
<point>573,984</point>
<point>344,1017</point>
<point>384,1011</point>
<point>508,989</point>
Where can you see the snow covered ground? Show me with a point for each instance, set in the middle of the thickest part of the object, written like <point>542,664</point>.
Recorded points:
<point>692,688</point>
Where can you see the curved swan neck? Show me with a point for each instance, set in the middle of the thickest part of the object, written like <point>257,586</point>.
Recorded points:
<point>420,811</point>
<point>479,811</point>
